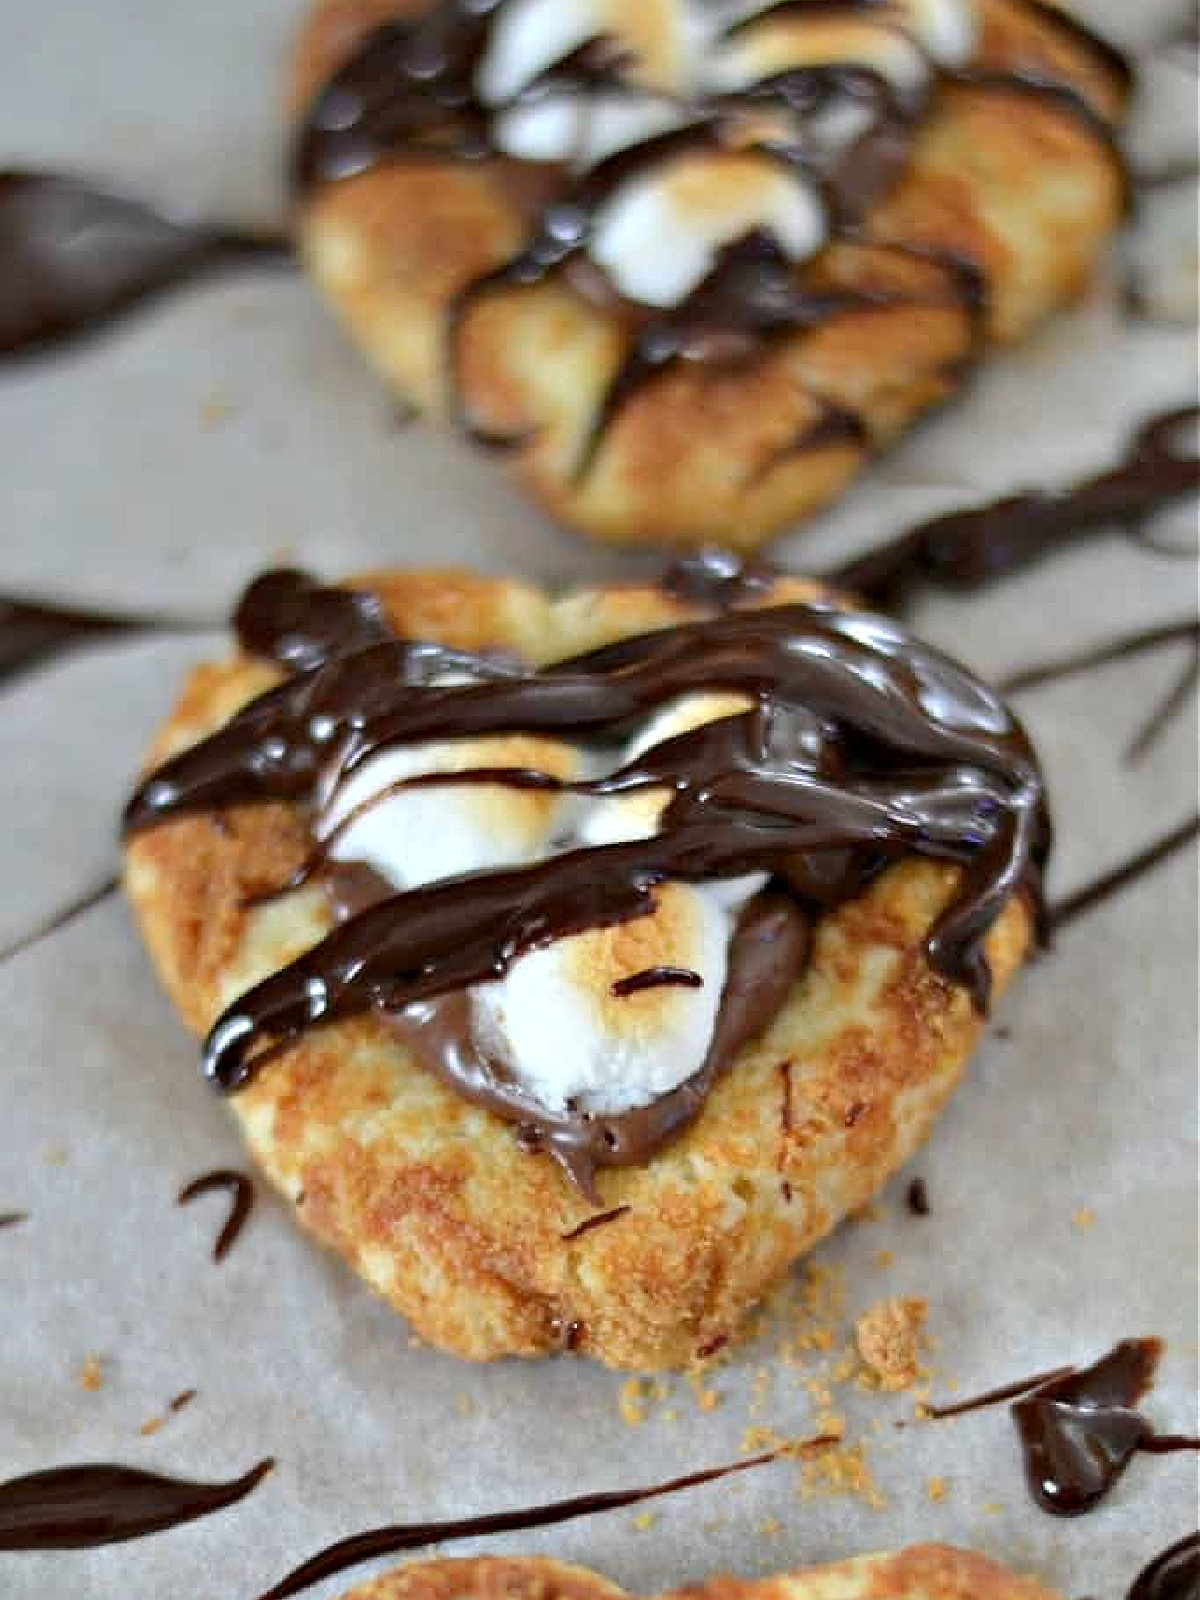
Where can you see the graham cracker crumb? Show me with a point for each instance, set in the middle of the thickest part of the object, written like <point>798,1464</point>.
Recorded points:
<point>644,1520</point>
<point>838,1472</point>
<point>885,1258</point>
<point>147,1428</point>
<point>889,1337</point>
<point>214,412</point>
<point>770,1527</point>
<point>55,1155</point>
<point>935,1489</point>
<point>91,1373</point>
<point>632,1402</point>
<point>1083,1218</point>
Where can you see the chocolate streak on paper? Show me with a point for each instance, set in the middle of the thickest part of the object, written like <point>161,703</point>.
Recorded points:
<point>409,93</point>
<point>917,1198</point>
<point>33,633</point>
<point>73,257</point>
<point>13,1219</point>
<point>1078,1427</point>
<point>400,1537</point>
<point>242,1191</point>
<point>971,548</point>
<point>79,1508</point>
<point>1111,883</point>
<point>1173,1575</point>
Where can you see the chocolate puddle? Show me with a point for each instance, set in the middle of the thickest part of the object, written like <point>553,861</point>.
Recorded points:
<point>74,257</point>
<point>1173,1575</point>
<point>80,1508</point>
<point>241,1190</point>
<point>1077,1426</point>
<point>972,548</point>
<point>400,1537</point>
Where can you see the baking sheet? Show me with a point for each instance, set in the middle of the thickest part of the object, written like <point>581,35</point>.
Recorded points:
<point>163,465</point>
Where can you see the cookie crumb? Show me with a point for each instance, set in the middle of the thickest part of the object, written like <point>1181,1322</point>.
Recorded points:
<point>889,1337</point>
<point>770,1527</point>
<point>55,1155</point>
<point>1082,1219</point>
<point>838,1472</point>
<point>935,1489</point>
<point>91,1373</point>
<point>644,1521</point>
<point>632,1402</point>
<point>147,1428</point>
<point>885,1258</point>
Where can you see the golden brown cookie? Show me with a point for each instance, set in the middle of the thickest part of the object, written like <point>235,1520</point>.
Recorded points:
<point>486,1248</point>
<point>957,177</point>
<point>925,1572</point>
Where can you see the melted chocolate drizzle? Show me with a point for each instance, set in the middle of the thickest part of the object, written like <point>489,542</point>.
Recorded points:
<point>917,1198</point>
<point>864,746</point>
<point>73,257</point>
<point>1078,1427</point>
<point>1173,1575</point>
<point>79,1508</point>
<point>409,93</point>
<point>242,1191</point>
<point>401,1537</point>
<point>972,548</point>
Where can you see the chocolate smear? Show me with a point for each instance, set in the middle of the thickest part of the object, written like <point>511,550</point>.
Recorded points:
<point>239,1187</point>
<point>1078,1426</point>
<point>73,257</point>
<point>80,1508</point>
<point>1173,1575</point>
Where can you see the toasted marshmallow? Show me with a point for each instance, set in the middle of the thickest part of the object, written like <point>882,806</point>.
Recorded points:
<point>787,42</point>
<point>636,816</point>
<point>947,30</point>
<point>418,835</point>
<point>659,234</point>
<point>567,127</point>
<point>555,1022</point>
<point>529,36</point>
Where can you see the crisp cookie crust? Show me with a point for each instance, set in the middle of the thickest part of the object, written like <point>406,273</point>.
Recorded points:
<point>1015,184</point>
<point>432,1199</point>
<point>926,1572</point>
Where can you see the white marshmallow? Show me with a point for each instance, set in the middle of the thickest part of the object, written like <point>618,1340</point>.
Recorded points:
<point>554,1021</point>
<point>947,29</point>
<point>530,35</point>
<point>564,127</point>
<point>782,44</point>
<point>659,234</point>
<point>419,835</point>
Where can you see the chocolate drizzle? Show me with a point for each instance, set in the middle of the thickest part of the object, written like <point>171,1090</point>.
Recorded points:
<point>1125,647</point>
<point>242,1191</point>
<point>917,1198</point>
<point>79,1508</point>
<point>33,633</point>
<point>1078,1427</point>
<point>409,92</point>
<point>864,746</point>
<point>1173,1575</point>
<point>656,978</point>
<point>1129,872</point>
<point>400,1537</point>
<point>73,257</point>
<point>972,548</point>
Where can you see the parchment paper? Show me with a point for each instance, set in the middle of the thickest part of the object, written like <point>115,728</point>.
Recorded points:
<point>165,464</point>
